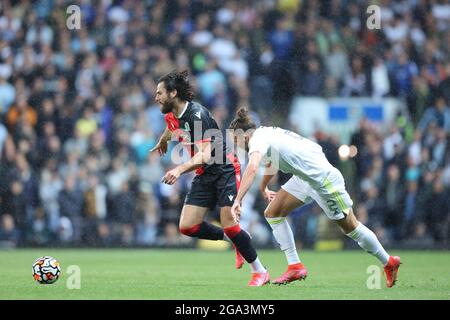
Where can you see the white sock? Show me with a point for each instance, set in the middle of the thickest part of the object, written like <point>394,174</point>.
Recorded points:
<point>369,242</point>
<point>257,267</point>
<point>285,238</point>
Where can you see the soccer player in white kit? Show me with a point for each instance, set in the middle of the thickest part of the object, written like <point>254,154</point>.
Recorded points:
<point>314,178</point>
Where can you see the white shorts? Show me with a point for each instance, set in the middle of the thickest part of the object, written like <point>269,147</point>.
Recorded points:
<point>331,197</point>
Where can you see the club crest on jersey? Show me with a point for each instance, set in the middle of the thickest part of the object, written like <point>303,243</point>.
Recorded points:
<point>187,127</point>
<point>198,114</point>
<point>230,197</point>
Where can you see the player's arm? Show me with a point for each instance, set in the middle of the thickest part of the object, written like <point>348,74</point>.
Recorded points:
<point>249,175</point>
<point>246,182</point>
<point>199,159</point>
<point>162,144</point>
<point>268,175</point>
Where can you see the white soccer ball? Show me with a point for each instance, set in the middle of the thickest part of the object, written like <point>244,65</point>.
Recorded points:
<point>46,270</point>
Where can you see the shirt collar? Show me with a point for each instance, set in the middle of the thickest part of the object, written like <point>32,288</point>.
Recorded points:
<point>184,110</point>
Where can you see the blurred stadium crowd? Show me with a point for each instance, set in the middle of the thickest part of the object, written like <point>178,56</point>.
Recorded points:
<point>78,114</point>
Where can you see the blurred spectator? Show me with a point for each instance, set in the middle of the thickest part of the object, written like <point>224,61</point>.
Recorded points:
<point>70,201</point>
<point>282,39</point>
<point>39,230</point>
<point>439,114</point>
<point>21,112</point>
<point>95,212</point>
<point>50,186</point>
<point>9,234</point>
<point>355,81</point>
<point>403,75</point>
<point>313,79</point>
<point>15,204</point>
<point>122,213</point>
<point>7,94</point>
<point>392,194</point>
<point>380,79</point>
<point>437,211</point>
<point>337,62</point>
<point>147,216</point>
<point>87,124</point>
<point>410,213</point>
<point>211,84</point>
<point>418,99</point>
<point>392,143</point>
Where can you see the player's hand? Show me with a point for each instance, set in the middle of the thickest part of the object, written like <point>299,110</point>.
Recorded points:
<point>268,195</point>
<point>171,176</point>
<point>236,210</point>
<point>161,146</point>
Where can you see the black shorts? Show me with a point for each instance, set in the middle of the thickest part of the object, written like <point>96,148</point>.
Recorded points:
<point>215,188</point>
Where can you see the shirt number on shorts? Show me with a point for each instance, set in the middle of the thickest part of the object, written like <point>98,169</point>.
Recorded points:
<point>332,205</point>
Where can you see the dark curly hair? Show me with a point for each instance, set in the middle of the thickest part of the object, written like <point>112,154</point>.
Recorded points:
<point>178,81</point>
<point>242,120</point>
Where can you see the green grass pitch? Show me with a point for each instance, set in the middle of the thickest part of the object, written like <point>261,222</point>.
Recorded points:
<point>187,274</point>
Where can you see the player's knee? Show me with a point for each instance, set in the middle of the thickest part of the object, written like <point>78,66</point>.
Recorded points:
<point>228,221</point>
<point>349,223</point>
<point>271,213</point>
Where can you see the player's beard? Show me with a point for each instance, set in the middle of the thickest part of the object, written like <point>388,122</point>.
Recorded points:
<point>168,106</point>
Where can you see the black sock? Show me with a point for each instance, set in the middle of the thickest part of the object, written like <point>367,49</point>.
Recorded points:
<point>243,242</point>
<point>204,230</point>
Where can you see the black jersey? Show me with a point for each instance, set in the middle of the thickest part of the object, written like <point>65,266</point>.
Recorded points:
<point>196,125</point>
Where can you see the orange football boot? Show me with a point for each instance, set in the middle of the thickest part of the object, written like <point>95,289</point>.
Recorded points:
<point>294,272</point>
<point>259,279</point>
<point>391,270</point>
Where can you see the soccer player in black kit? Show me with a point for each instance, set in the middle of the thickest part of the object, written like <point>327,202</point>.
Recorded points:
<point>216,182</point>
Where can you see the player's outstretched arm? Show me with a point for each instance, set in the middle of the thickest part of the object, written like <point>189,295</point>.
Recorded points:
<point>199,159</point>
<point>247,180</point>
<point>269,173</point>
<point>162,144</point>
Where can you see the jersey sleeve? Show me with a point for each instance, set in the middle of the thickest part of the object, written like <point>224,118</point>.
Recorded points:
<point>259,142</point>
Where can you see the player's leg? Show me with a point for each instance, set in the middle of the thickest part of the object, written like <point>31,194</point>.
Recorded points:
<point>228,220</point>
<point>199,200</point>
<point>240,238</point>
<point>337,204</point>
<point>242,241</point>
<point>227,188</point>
<point>363,236</point>
<point>275,214</point>
<point>192,224</point>
<point>367,240</point>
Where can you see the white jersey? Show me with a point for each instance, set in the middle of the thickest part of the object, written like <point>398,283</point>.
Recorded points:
<point>292,153</point>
